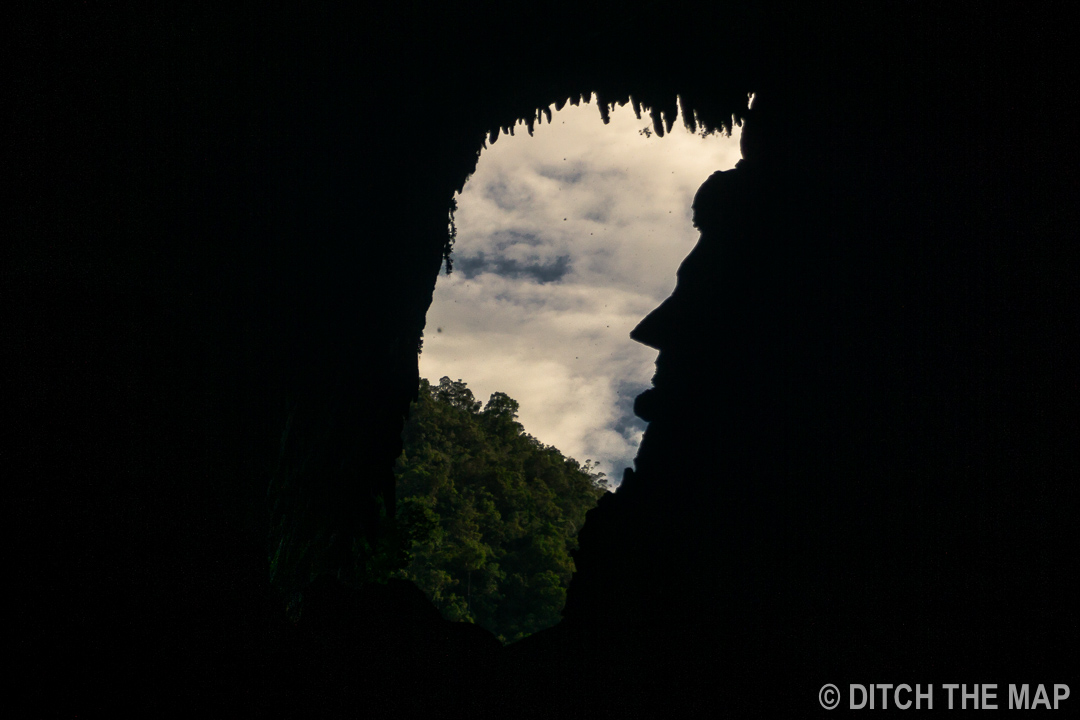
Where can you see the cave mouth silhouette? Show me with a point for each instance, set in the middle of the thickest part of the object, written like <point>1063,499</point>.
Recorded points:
<point>604,219</point>
<point>198,188</point>
<point>583,220</point>
<point>565,240</point>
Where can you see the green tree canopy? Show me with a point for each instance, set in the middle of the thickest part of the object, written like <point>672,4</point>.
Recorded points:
<point>490,512</point>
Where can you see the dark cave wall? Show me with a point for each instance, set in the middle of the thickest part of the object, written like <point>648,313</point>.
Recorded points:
<point>879,481</point>
<point>224,217</point>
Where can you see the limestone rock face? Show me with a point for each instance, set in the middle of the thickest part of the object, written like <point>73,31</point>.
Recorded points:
<point>813,495</point>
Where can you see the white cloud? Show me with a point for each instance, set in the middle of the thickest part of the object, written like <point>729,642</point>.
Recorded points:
<point>565,241</point>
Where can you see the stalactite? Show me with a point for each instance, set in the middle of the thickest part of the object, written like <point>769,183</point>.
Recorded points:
<point>657,123</point>
<point>604,107</point>
<point>699,121</point>
<point>671,109</point>
<point>688,115</point>
<point>637,107</point>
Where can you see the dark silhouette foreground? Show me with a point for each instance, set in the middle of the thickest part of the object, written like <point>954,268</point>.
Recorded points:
<point>219,221</point>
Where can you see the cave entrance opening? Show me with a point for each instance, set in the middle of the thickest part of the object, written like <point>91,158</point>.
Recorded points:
<point>566,237</point>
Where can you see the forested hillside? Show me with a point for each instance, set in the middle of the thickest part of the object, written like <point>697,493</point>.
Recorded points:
<point>492,513</point>
<point>486,517</point>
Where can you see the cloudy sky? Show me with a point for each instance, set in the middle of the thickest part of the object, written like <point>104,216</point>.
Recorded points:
<point>565,241</point>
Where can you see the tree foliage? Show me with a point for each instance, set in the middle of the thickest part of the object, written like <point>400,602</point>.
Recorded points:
<point>488,514</point>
